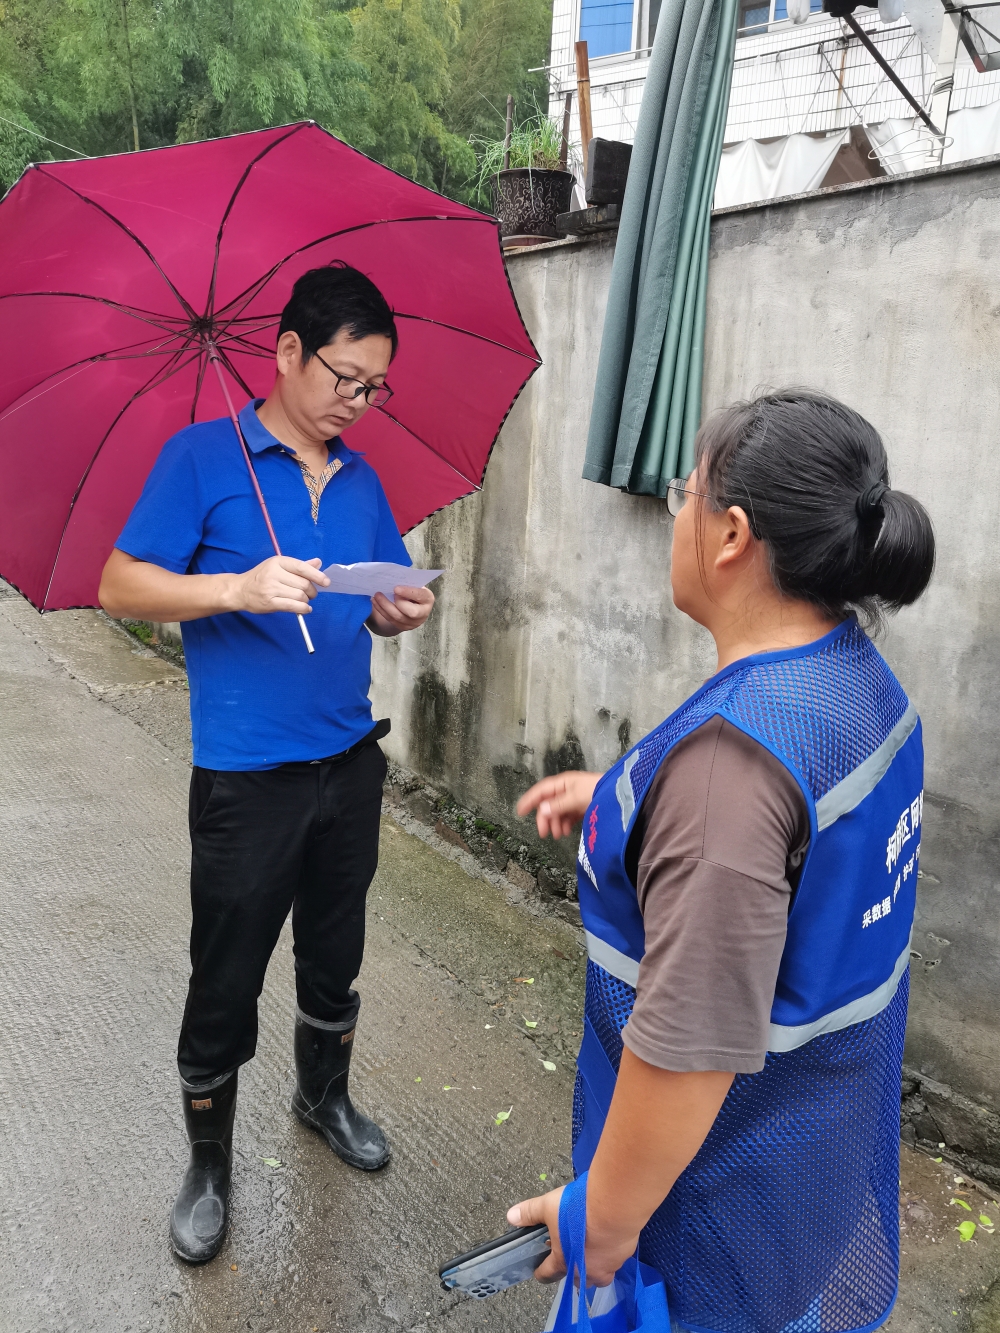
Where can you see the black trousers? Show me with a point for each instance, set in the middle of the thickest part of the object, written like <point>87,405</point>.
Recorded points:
<point>300,838</point>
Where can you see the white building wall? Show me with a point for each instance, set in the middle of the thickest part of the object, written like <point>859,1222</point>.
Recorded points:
<point>791,79</point>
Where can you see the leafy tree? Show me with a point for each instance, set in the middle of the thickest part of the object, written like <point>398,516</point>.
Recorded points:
<point>407,81</point>
<point>109,74</point>
<point>500,41</point>
<point>406,46</point>
<point>248,64</point>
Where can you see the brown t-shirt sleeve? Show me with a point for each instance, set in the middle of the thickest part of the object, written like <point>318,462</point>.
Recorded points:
<point>720,838</point>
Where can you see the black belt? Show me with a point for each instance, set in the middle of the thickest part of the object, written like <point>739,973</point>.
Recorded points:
<point>378,731</point>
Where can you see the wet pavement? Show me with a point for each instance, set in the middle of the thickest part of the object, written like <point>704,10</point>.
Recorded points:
<point>94,761</point>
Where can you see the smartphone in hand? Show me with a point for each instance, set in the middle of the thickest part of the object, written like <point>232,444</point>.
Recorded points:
<point>499,1263</point>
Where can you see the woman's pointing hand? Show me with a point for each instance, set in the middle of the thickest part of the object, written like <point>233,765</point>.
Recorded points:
<point>559,802</point>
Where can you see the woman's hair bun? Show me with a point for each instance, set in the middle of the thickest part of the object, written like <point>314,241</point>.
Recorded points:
<point>813,477</point>
<point>901,562</point>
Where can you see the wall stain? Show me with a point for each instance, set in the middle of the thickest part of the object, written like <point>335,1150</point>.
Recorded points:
<point>511,782</point>
<point>429,719</point>
<point>569,755</point>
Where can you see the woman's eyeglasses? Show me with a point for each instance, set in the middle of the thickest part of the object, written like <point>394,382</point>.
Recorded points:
<point>677,494</point>
<point>376,395</point>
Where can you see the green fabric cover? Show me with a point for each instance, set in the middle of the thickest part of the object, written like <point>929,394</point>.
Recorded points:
<point>647,400</point>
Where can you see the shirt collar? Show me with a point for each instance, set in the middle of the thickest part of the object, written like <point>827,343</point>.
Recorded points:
<point>259,438</point>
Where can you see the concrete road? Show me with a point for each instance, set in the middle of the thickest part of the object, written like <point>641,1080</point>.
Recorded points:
<point>94,758</point>
<point>94,937</point>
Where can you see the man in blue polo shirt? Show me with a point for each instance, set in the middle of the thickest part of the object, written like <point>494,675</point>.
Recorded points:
<point>287,784</point>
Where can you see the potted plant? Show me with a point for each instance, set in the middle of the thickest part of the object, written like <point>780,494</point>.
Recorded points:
<point>534,187</point>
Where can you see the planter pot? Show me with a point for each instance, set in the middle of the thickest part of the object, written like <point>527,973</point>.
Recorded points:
<point>527,200</point>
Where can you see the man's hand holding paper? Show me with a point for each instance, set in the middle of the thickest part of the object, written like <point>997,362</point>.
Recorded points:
<point>400,597</point>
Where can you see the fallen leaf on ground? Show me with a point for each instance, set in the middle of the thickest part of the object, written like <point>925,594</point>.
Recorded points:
<point>502,1116</point>
<point>418,1080</point>
<point>528,981</point>
<point>449,1087</point>
<point>547,1064</point>
<point>233,1268</point>
<point>966,1230</point>
<point>488,1027</point>
<point>544,1176</point>
<point>272,1162</point>
<point>937,1159</point>
<point>528,1023</point>
<point>962,1204</point>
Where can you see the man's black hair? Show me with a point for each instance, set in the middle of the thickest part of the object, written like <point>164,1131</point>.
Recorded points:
<point>326,300</point>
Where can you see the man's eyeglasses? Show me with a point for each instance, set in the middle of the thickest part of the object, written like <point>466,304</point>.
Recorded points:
<point>376,395</point>
<point>677,493</point>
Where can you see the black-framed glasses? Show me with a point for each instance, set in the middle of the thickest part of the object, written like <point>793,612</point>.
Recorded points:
<point>677,493</point>
<point>376,395</point>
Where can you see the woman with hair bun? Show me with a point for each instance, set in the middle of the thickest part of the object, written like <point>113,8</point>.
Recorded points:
<point>747,884</point>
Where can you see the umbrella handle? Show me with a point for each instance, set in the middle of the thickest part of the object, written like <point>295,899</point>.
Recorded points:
<point>215,359</point>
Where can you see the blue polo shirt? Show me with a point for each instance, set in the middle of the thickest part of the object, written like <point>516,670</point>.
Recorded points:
<point>258,698</point>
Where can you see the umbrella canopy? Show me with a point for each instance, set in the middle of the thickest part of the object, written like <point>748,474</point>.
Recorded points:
<point>647,402</point>
<point>118,274</point>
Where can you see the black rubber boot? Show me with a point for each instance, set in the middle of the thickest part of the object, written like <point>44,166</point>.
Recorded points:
<point>201,1210</point>
<point>321,1101</point>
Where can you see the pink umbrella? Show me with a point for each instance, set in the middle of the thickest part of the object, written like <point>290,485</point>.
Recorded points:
<point>121,277</point>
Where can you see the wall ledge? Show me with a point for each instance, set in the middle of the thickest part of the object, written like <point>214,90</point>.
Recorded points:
<point>563,243</point>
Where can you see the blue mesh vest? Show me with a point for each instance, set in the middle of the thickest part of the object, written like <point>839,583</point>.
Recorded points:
<point>786,1221</point>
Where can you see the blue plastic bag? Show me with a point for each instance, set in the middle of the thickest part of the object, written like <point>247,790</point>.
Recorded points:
<point>642,1297</point>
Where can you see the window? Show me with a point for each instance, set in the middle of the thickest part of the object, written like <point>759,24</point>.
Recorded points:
<point>606,26</point>
<point>755,15</point>
<point>781,9</point>
<point>652,14</point>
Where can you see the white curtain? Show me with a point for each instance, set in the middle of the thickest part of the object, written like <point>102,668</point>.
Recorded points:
<point>797,163</point>
<point>792,165</point>
<point>975,131</point>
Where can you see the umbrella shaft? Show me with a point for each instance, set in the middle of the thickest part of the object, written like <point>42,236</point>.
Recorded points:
<point>215,359</point>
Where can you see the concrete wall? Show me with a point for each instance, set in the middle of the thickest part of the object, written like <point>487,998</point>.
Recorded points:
<point>555,642</point>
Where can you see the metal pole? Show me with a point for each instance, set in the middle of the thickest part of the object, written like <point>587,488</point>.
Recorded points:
<point>508,132</point>
<point>944,83</point>
<point>564,146</point>
<point>889,72</point>
<point>583,93</point>
<point>216,360</point>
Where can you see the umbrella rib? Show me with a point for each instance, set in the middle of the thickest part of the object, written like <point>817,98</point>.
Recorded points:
<point>423,319</point>
<point>144,316</point>
<point>128,232</point>
<point>251,291</point>
<point>455,328</point>
<point>168,372</point>
<point>76,367</point>
<point>232,201</point>
<point>244,342</point>
<point>234,372</point>
<point>83,480</point>
<point>437,452</point>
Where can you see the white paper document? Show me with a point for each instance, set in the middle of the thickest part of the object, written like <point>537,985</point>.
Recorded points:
<point>369,577</point>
